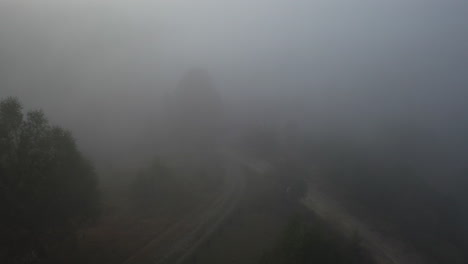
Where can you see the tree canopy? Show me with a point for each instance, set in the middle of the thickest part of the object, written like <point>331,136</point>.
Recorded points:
<point>45,182</point>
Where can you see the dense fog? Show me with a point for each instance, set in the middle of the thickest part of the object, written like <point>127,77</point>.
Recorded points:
<point>353,63</point>
<point>373,80</point>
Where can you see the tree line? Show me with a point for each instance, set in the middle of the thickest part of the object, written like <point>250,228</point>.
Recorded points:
<point>48,189</point>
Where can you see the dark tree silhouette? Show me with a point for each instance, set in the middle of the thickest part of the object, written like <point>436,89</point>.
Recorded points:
<point>196,111</point>
<point>195,121</point>
<point>47,188</point>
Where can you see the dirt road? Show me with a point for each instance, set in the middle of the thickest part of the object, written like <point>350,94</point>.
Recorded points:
<point>384,249</point>
<point>180,240</point>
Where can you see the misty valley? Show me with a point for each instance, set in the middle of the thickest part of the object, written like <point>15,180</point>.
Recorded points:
<point>252,132</point>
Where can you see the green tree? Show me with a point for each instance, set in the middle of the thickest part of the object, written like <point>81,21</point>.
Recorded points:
<point>47,188</point>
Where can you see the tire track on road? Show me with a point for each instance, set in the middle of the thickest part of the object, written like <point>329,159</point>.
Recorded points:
<point>181,240</point>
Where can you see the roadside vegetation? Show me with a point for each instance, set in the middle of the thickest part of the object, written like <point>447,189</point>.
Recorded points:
<point>389,184</point>
<point>310,240</point>
<point>48,190</point>
<point>392,190</point>
<point>387,181</point>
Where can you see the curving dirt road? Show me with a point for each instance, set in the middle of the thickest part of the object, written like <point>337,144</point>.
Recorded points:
<point>179,241</point>
<point>384,249</point>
